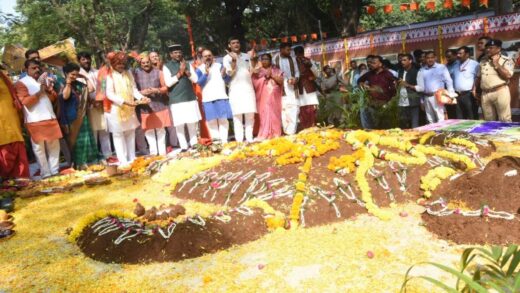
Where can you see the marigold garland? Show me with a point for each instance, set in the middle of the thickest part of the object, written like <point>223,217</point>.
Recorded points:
<point>430,150</point>
<point>434,177</point>
<point>464,142</point>
<point>93,217</point>
<point>273,218</point>
<point>300,185</point>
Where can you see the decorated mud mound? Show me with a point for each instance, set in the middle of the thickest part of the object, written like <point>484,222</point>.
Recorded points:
<point>149,238</point>
<point>314,178</point>
<point>479,207</point>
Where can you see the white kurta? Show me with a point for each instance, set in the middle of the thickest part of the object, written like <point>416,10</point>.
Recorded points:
<point>113,118</point>
<point>241,91</point>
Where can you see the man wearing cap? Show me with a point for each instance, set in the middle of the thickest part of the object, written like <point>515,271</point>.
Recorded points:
<point>495,72</point>
<point>178,77</point>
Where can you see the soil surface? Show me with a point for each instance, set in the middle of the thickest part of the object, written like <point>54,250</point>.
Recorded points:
<point>473,190</point>
<point>189,240</point>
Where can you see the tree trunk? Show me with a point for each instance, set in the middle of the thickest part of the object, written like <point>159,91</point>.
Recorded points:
<point>139,27</point>
<point>350,12</point>
<point>235,9</point>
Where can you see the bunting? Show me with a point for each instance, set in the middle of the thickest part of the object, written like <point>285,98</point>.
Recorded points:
<point>486,26</point>
<point>415,6</point>
<point>430,6</point>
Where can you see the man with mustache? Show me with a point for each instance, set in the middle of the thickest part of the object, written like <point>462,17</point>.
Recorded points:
<point>37,95</point>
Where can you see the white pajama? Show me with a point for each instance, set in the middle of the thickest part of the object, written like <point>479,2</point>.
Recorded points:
<point>104,141</point>
<point>238,126</point>
<point>156,140</point>
<point>290,109</point>
<point>48,156</point>
<point>140,141</point>
<point>434,111</point>
<point>192,134</point>
<point>124,143</point>
<point>219,128</point>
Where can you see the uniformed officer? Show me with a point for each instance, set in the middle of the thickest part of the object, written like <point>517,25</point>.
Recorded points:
<point>495,72</point>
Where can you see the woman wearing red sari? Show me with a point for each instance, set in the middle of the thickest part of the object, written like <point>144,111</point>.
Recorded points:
<point>268,83</point>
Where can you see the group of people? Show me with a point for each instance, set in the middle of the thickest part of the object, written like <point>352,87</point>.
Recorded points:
<point>454,90</point>
<point>73,114</point>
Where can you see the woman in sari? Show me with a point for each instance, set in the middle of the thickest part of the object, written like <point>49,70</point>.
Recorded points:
<point>73,101</point>
<point>268,83</point>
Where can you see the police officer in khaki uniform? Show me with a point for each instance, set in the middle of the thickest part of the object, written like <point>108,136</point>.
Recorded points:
<point>495,72</point>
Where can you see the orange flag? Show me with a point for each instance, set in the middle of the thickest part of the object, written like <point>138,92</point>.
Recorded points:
<point>371,9</point>
<point>484,3</point>
<point>263,42</point>
<point>314,36</point>
<point>448,4</point>
<point>414,6</point>
<point>303,37</point>
<point>388,8</point>
<point>294,39</point>
<point>430,6</point>
<point>465,3</point>
<point>324,35</point>
<point>403,7</point>
<point>285,39</point>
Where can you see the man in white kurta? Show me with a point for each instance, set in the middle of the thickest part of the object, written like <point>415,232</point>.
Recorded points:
<point>122,120</point>
<point>96,115</point>
<point>241,92</point>
<point>290,105</point>
<point>36,94</point>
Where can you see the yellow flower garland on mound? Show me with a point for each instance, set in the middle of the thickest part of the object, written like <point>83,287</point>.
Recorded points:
<point>357,139</point>
<point>464,142</point>
<point>274,219</point>
<point>426,136</point>
<point>294,214</point>
<point>293,149</point>
<point>93,217</point>
<point>346,162</point>
<point>429,150</point>
<point>433,178</point>
<point>179,170</point>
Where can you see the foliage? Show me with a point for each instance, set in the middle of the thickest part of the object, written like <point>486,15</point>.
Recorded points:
<point>497,269</point>
<point>343,109</point>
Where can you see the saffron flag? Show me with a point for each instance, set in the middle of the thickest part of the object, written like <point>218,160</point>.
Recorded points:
<point>484,3</point>
<point>371,9</point>
<point>448,4</point>
<point>430,6</point>
<point>466,3</point>
<point>294,39</point>
<point>388,8</point>
<point>403,7</point>
<point>414,6</point>
<point>314,36</point>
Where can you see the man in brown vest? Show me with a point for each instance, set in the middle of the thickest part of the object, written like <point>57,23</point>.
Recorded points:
<point>308,97</point>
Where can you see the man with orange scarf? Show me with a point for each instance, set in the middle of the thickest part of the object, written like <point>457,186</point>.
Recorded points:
<point>13,157</point>
<point>121,93</point>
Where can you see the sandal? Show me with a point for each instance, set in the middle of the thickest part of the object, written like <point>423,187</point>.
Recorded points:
<point>6,225</point>
<point>5,234</point>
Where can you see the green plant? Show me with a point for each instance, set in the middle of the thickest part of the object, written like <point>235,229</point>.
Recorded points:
<point>479,269</point>
<point>342,108</point>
